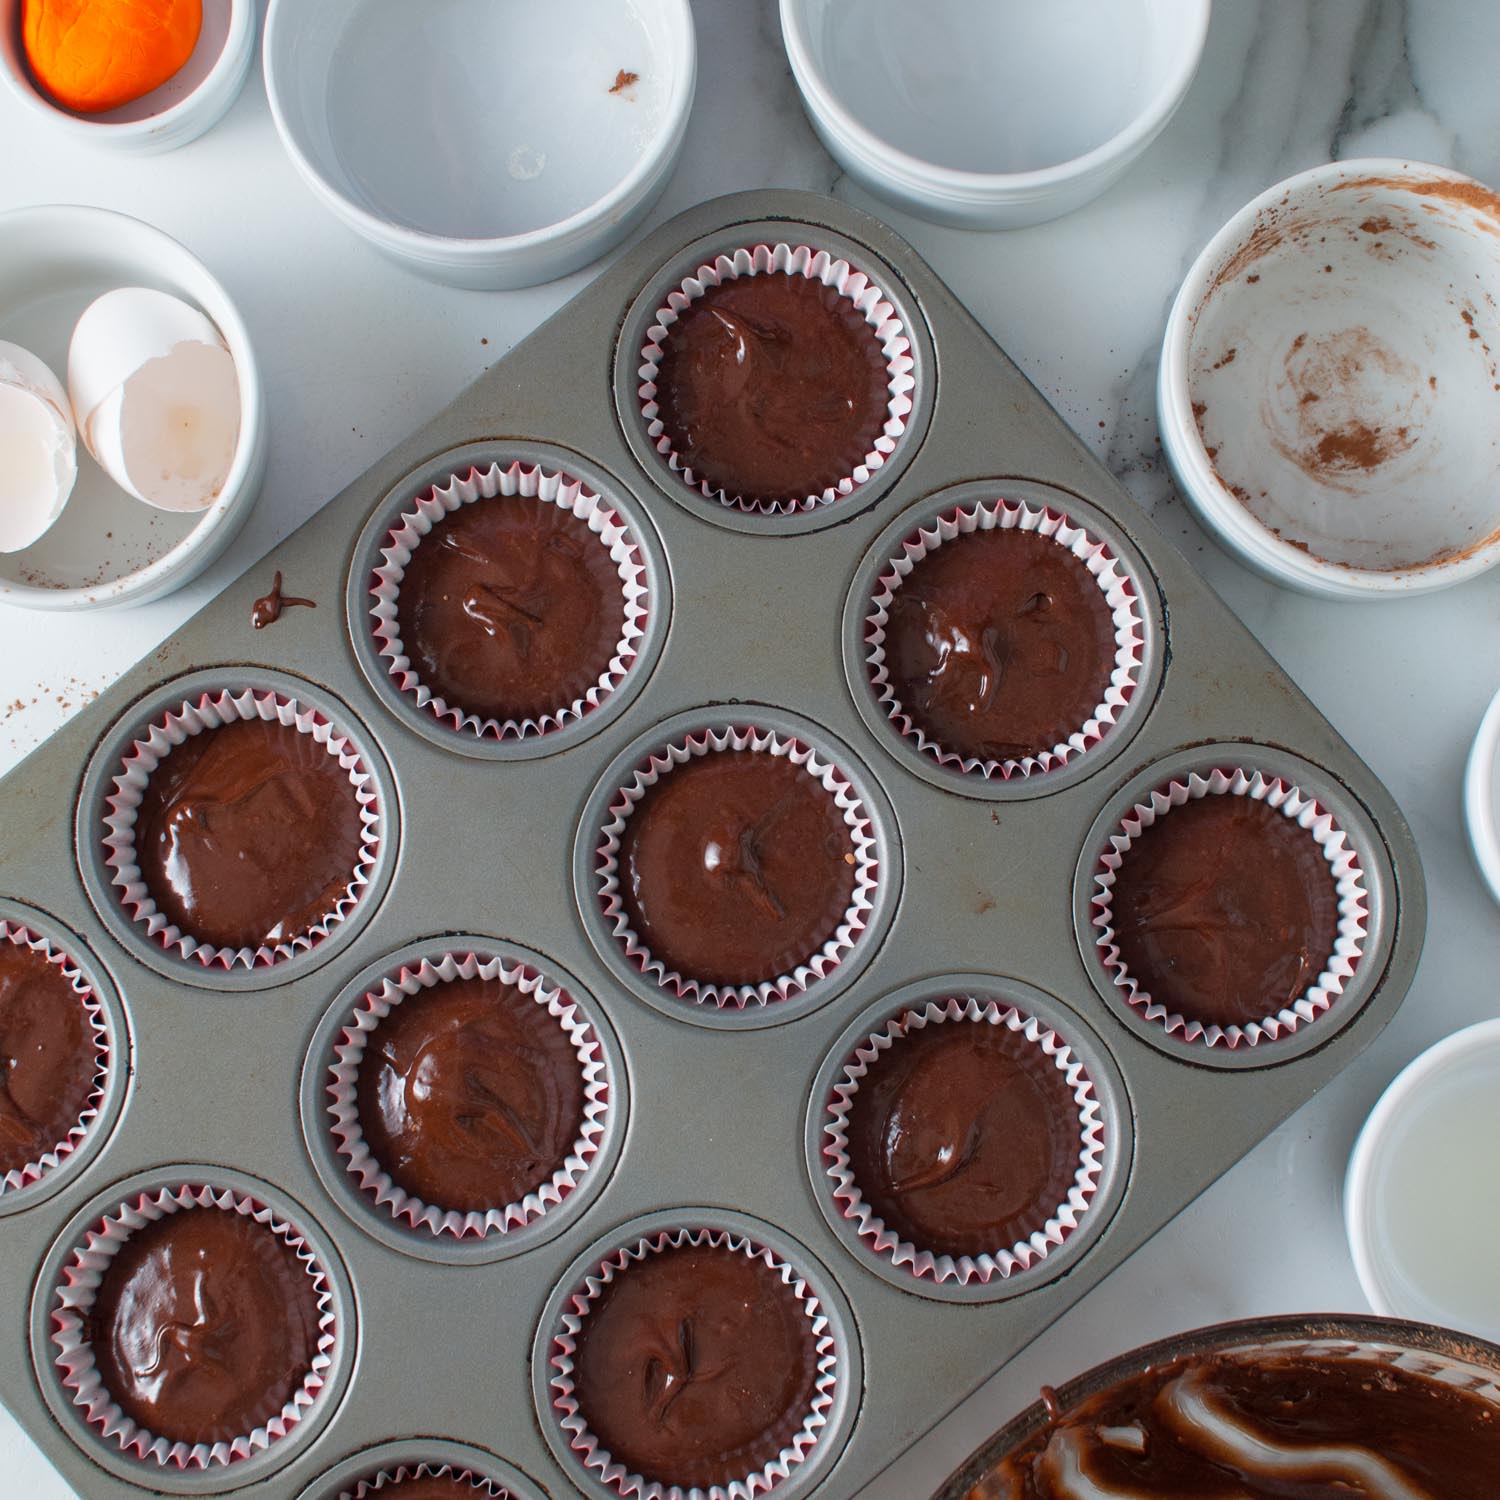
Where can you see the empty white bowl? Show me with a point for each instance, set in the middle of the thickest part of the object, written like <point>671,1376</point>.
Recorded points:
<point>1422,1196</point>
<point>487,143</point>
<point>991,115</point>
<point>1329,395</point>
<point>196,97</point>
<point>108,548</point>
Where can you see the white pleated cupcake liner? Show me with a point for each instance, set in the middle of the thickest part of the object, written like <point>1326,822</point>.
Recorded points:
<point>857,818</point>
<point>343,1108</point>
<point>73,1301</point>
<point>817,265</point>
<point>484,1489</point>
<point>546,487</point>
<point>176,727</point>
<point>1103,566</point>
<point>1063,1219</point>
<point>1343,863</point>
<point>597,1459</point>
<point>33,1171</point>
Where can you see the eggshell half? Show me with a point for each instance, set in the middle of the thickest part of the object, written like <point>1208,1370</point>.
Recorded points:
<point>38,448</point>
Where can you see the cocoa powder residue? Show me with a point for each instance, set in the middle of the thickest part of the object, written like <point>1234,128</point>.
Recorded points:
<point>1473,195</point>
<point>1359,446</point>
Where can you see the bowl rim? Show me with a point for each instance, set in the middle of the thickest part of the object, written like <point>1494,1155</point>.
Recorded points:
<point>238,42</point>
<point>1355,1328</point>
<point>424,244</point>
<point>913,171</point>
<point>80,222</point>
<point>1480,814</point>
<point>1195,474</point>
<point>1369,1153</point>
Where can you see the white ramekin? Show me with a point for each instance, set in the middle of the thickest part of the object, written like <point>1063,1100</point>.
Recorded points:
<point>403,121</point>
<point>1358,293</point>
<point>54,260</point>
<point>864,75</point>
<point>1402,1123</point>
<point>1481,795</point>
<point>171,116</point>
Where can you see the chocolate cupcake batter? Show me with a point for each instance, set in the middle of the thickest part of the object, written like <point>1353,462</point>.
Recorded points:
<point>510,608</point>
<point>248,834</point>
<point>1225,910</point>
<point>735,867</point>
<point>49,1056</point>
<point>470,1095</point>
<point>205,1326</point>
<point>427,1487</point>
<point>772,387</point>
<point>695,1366</point>
<point>964,1138</point>
<point>1000,644</point>
<point>1267,1427</point>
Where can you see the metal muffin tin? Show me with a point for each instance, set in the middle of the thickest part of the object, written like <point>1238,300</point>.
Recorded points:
<point>751,619</point>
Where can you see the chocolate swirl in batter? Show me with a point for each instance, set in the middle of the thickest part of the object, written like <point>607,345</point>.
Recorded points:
<point>205,1326</point>
<point>49,1056</point>
<point>510,608</point>
<point>1225,910</point>
<point>772,387</point>
<point>999,645</point>
<point>736,867</point>
<point>695,1366</point>
<point>470,1095</point>
<point>964,1138</point>
<point>1266,1427</point>
<point>248,834</point>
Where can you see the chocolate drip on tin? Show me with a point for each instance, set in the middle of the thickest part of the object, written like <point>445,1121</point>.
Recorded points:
<point>267,609</point>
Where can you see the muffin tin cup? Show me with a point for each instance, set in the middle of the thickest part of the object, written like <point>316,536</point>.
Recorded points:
<point>1105,1137</point>
<point>1341,831</point>
<point>731,252</point>
<point>801,1463</point>
<point>546,487</point>
<point>365,1189</point>
<point>460,476</point>
<point>690,737</point>
<point>1111,559</point>
<point>856,287</point>
<point>117,777</point>
<point>64,1298</point>
<point>1103,567</point>
<point>373,1472</point>
<point>18,1181</point>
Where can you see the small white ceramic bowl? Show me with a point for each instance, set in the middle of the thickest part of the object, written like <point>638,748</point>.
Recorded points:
<point>991,115</point>
<point>1329,394</point>
<point>1482,797</point>
<point>108,548</point>
<point>1422,1195</point>
<point>483,144</point>
<point>179,111</point>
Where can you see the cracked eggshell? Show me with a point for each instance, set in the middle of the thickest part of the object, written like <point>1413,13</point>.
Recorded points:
<point>39,444</point>
<point>156,396</point>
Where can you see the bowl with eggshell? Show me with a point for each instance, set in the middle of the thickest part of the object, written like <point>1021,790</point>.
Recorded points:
<point>1267,1407</point>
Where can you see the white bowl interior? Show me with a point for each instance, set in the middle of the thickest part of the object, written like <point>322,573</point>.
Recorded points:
<point>51,268</point>
<point>475,119</point>
<point>1342,369</point>
<point>1003,86</point>
<point>204,59</point>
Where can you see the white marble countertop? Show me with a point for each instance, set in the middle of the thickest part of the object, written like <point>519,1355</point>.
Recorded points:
<point>356,353</point>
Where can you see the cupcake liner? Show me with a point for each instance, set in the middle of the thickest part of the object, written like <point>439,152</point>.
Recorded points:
<point>1349,881</point>
<point>74,1298</point>
<point>598,1460</point>
<point>1114,583</point>
<point>33,1171</point>
<point>546,487</point>
<point>857,819</point>
<point>213,711</point>
<point>1005,1261</point>
<point>484,1489</point>
<point>342,1078</point>
<point>816,265</point>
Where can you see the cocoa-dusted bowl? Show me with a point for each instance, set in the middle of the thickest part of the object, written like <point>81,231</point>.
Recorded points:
<point>1455,1358</point>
